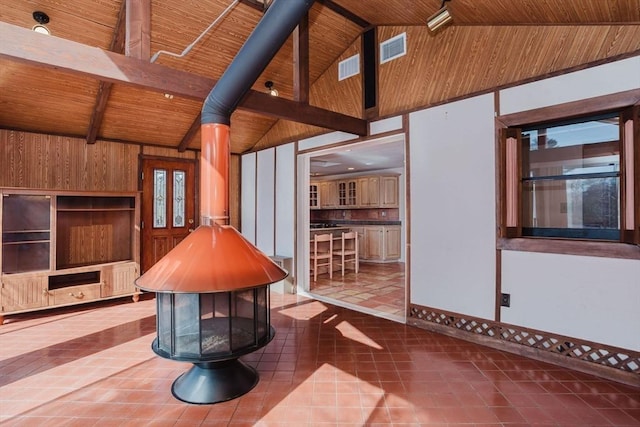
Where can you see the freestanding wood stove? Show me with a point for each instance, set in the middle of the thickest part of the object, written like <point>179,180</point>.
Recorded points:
<point>213,287</point>
<point>208,315</point>
<point>212,292</point>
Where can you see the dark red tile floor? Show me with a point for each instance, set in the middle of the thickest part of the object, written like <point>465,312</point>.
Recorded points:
<point>327,366</point>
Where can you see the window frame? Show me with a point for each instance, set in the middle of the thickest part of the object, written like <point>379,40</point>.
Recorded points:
<point>509,177</point>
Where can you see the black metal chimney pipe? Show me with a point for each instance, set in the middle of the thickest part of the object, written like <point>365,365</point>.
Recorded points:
<point>264,42</point>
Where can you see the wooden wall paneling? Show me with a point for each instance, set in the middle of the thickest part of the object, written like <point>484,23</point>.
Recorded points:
<point>53,162</point>
<point>151,150</point>
<point>343,96</point>
<point>148,116</point>
<point>465,60</point>
<point>246,128</point>
<point>284,131</point>
<point>96,18</point>
<point>322,94</point>
<point>175,25</point>
<point>506,12</point>
<point>47,101</point>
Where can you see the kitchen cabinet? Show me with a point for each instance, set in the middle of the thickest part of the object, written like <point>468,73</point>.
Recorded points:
<point>63,248</point>
<point>375,191</point>
<point>389,197</point>
<point>314,195</point>
<point>381,243</point>
<point>368,191</point>
<point>392,242</point>
<point>329,194</point>
<point>361,240</point>
<point>347,193</point>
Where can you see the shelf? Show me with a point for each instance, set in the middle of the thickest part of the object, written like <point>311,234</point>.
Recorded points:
<point>95,209</point>
<point>14,237</point>
<point>25,242</point>
<point>95,203</point>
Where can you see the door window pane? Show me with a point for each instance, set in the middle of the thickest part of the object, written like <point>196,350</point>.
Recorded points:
<point>178,198</point>
<point>159,198</point>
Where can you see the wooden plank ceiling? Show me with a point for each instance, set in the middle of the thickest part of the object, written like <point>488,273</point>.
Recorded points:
<point>49,85</point>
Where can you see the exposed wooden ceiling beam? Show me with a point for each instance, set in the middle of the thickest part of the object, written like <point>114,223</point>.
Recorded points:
<point>23,45</point>
<point>345,12</point>
<point>138,18</point>
<point>301,61</point>
<point>193,130</point>
<point>104,88</point>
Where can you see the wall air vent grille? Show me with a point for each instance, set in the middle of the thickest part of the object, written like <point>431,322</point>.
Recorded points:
<point>393,48</point>
<point>349,67</point>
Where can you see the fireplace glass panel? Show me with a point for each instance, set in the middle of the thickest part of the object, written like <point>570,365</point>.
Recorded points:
<point>187,325</point>
<point>261,312</point>
<point>214,317</point>
<point>164,307</point>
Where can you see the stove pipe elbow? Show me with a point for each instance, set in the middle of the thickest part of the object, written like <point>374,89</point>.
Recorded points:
<point>267,38</point>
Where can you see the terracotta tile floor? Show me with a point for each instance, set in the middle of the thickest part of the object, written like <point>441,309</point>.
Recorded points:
<point>379,287</point>
<point>327,366</point>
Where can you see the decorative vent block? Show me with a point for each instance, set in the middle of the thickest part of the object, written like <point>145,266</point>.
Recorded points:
<point>393,48</point>
<point>349,67</point>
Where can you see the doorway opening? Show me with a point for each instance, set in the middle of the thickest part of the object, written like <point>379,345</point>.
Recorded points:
<point>359,188</point>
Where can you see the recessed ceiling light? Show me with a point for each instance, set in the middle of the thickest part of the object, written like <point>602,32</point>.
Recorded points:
<point>350,169</point>
<point>41,18</point>
<point>168,96</point>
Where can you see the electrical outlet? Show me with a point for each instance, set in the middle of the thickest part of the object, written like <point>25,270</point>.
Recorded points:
<point>505,300</point>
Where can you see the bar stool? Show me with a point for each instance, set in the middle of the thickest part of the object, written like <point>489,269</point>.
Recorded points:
<point>348,251</point>
<point>321,254</point>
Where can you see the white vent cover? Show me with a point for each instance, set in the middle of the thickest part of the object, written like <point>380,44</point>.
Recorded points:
<point>393,48</point>
<point>349,67</point>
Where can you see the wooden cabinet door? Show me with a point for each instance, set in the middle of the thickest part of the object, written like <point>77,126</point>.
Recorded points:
<point>118,279</point>
<point>392,241</point>
<point>24,292</point>
<point>389,192</point>
<point>168,206</point>
<point>374,239</point>
<point>361,242</point>
<point>329,194</point>
<point>314,196</point>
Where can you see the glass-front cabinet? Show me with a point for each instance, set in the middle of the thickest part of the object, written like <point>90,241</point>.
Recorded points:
<point>26,233</point>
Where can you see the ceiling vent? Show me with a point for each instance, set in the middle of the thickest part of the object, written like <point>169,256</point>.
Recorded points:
<point>349,67</point>
<point>393,48</point>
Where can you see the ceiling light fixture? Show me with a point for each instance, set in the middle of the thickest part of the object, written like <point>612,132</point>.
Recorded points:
<point>269,85</point>
<point>168,96</point>
<point>41,18</point>
<point>440,18</point>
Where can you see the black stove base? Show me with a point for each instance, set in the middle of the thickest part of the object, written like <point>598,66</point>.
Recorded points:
<point>215,382</point>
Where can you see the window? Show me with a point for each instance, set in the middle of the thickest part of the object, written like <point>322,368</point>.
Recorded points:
<point>570,180</point>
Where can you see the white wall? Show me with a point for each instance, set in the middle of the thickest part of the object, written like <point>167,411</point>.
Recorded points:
<point>452,197</point>
<point>453,227</point>
<point>597,81</point>
<point>285,200</point>
<point>265,200</point>
<point>268,199</point>
<point>597,299</point>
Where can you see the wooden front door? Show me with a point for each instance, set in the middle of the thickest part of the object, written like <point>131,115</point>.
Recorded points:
<point>168,206</point>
